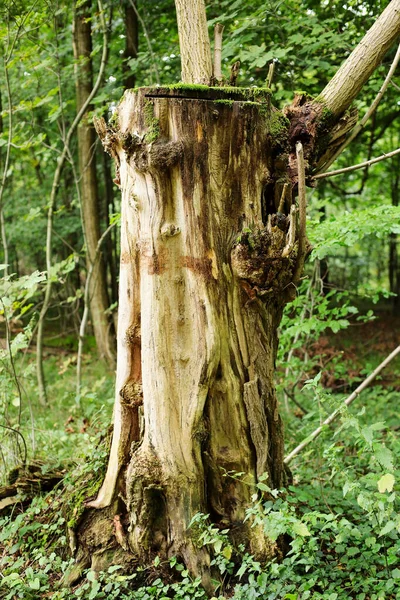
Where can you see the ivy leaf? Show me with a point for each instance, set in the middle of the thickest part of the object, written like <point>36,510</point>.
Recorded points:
<point>386,483</point>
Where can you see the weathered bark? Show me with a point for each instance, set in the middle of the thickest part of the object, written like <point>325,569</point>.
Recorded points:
<point>202,287</point>
<point>99,303</point>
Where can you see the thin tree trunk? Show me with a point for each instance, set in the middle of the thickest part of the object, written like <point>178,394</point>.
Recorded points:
<point>194,41</point>
<point>99,303</point>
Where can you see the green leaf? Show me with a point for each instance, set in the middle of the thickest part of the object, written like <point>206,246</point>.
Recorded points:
<point>35,584</point>
<point>300,529</point>
<point>390,525</point>
<point>384,456</point>
<point>386,483</point>
<point>227,552</point>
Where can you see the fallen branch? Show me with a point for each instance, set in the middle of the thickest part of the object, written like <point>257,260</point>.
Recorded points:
<point>347,402</point>
<point>367,163</point>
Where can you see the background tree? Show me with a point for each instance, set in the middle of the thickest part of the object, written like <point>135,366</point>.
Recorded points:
<point>90,204</point>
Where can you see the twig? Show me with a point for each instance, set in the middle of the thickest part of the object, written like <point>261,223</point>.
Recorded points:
<point>218,30</point>
<point>347,402</point>
<point>296,402</point>
<point>360,126</point>
<point>301,251</point>
<point>85,315</point>
<point>56,183</point>
<point>367,163</point>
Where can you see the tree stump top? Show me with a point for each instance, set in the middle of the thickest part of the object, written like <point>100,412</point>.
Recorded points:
<point>204,92</point>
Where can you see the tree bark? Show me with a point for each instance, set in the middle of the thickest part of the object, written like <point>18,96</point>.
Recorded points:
<point>99,303</point>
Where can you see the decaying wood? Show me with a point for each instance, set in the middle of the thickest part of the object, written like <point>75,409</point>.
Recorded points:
<point>26,482</point>
<point>202,289</point>
<point>302,240</point>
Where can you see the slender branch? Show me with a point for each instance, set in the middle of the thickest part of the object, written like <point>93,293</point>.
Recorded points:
<point>367,163</point>
<point>21,436</point>
<point>270,75</point>
<point>85,315</point>
<point>347,402</point>
<point>54,189</point>
<point>360,126</point>
<point>218,31</point>
<point>301,251</point>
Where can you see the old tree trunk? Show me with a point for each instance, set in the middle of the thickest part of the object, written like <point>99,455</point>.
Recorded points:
<point>210,255</point>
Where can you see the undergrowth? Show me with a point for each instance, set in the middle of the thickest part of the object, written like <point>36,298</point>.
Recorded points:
<point>342,529</point>
<point>339,521</point>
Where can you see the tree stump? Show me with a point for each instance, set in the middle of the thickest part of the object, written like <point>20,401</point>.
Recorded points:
<point>207,259</point>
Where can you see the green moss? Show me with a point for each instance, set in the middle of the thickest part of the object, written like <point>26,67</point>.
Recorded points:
<point>278,126</point>
<point>192,87</point>
<point>113,122</point>
<point>225,101</point>
<point>151,122</point>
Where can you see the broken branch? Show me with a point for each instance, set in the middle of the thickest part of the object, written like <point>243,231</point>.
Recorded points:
<point>218,30</point>
<point>301,176</point>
